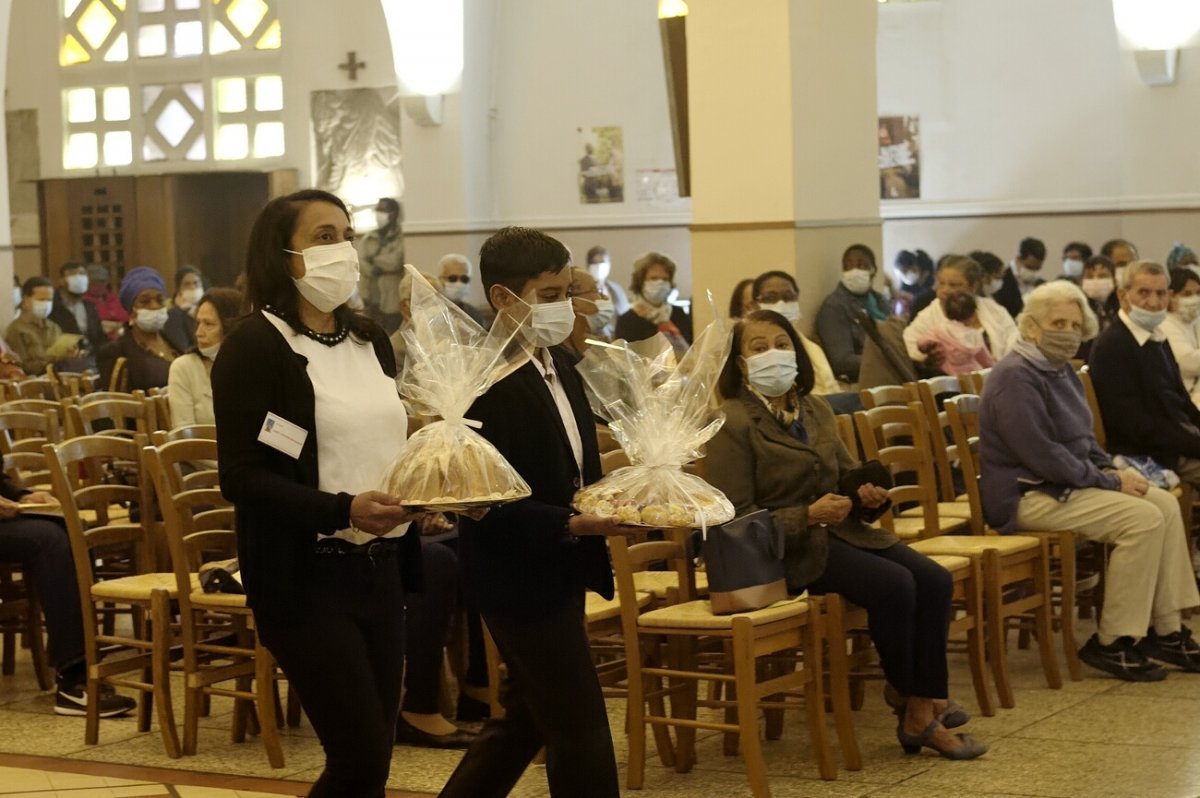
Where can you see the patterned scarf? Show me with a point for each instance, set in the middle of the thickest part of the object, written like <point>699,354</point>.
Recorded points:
<point>791,419</point>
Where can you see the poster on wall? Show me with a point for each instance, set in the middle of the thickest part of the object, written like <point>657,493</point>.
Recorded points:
<point>658,188</point>
<point>899,157</point>
<point>358,147</point>
<point>601,175</point>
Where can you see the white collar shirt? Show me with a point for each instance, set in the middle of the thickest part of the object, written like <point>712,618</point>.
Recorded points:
<point>1140,333</point>
<point>545,366</point>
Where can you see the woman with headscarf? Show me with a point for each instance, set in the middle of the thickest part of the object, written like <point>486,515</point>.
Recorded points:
<point>148,354</point>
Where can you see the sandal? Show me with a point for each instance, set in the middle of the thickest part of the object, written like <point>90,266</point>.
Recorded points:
<point>970,748</point>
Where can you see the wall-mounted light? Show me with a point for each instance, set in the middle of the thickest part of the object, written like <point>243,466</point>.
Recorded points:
<point>1156,29</point>
<point>427,52</point>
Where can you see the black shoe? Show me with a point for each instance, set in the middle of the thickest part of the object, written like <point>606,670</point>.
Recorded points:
<point>1122,659</point>
<point>472,710</point>
<point>1177,648</point>
<point>72,700</point>
<point>407,734</point>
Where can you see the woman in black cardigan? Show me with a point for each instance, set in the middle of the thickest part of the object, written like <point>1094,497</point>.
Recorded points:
<point>324,558</point>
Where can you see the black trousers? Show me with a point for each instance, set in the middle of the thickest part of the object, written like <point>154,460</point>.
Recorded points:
<point>42,548</point>
<point>427,624</point>
<point>551,697</point>
<point>345,659</point>
<point>907,597</point>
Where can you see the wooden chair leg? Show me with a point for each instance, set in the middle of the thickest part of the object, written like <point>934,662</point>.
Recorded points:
<point>994,619</point>
<point>814,700</point>
<point>37,644</point>
<point>160,629</point>
<point>839,682</point>
<point>8,661</point>
<point>635,714</point>
<point>683,701</point>
<point>976,647</point>
<point>242,710</point>
<point>293,708</point>
<point>91,730</point>
<point>1044,620</point>
<point>747,707</point>
<point>268,720</point>
<point>1066,547</point>
<point>730,744</point>
<point>773,715</point>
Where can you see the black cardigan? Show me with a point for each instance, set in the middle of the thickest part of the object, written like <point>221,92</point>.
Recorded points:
<point>280,511</point>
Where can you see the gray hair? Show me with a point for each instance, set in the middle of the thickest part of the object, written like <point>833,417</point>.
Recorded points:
<point>1126,273</point>
<point>454,257</point>
<point>1039,301</point>
<point>971,271</point>
<point>405,289</point>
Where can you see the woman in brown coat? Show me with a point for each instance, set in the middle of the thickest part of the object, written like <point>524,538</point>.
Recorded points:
<point>779,450</point>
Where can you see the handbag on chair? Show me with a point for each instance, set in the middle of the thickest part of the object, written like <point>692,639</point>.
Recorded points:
<point>744,562</point>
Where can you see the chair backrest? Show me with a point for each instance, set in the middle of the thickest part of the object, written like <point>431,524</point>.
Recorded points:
<point>198,523</point>
<point>884,395</point>
<point>119,380</point>
<point>929,392</point>
<point>605,439</point>
<point>28,431</point>
<point>849,438</point>
<point>28,470</point>
<point>38,388</point>
<point>611,461</point>
<point>128,415</point>
<point>71,383</point>
<point>963,413</point>
<point>189,432</point>
<point>1089,391</point>
<point>628,559</point>
<point>162,410</point>
<point>897,436</point>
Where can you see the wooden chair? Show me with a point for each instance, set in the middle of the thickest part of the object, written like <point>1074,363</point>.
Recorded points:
<point>973,381</point>
<point>162,411</point>
<point>897,436</point>
<point>21,615</point>
<point>963,412</point>
<point>928,392</point>
<point>26,431</point>
<point>191,432</point>
<point>199,526</point>
<point>846,628</point>
<point>111,657</point>
<point>119,379</point>
<point>884,395</point>
<point>127,416</point>
<point>605,438</point>
<point>845,430</point>
<point>71,383</point>
<point>1089,391</point>
<point>38,388</point>
<point>755,640</point>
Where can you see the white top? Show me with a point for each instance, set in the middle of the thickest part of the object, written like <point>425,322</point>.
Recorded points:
<point>189,392</point>
<point>545,367</point>
<point>1184,339</point>
<point>361,423</point>
<point>997,323</point>
<point>824,383</point>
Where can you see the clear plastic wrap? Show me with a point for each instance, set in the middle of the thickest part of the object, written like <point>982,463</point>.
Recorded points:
<point>450,362</point>
<point>661,414</point>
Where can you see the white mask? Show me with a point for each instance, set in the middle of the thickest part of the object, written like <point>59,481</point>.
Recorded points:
<point>41,308</point>
<point>455,292</point>
<point>77,284</point>
<point>789,310</point>
<point>330,275</point>
<point>857,281</point>
<point>1147,319</point>
<point>381,219</point>
<point>17,296</point>
<point>990,287</point>
<point>605,312</point>
<point>552,322</point>
<point>1098,289</point>
<point>600,270</point>
<point>210,352</point>
<point>1028,275</point>
<point>1189,308</point>
<point>656,291</point>
<point>1072,267</point>
<point>151,321</point>
<point>772,373</point>
<point>192,296</point>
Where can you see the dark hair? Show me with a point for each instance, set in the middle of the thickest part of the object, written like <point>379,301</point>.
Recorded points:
<point>924,261</point>
<point>988,261</point>
<point>184,271</point>
<point>230,305</point>
<point>1100,260</point>
<point>736,309</point>
<point>865,250</point>
<point>390,205</point>
<point>762,278</point>
<point>730,382</point>
<point>1181,277</point>
<point>959,307</point>
<point>71,266</point>
<point>512,256</point>
<point>1080,247</point>
<point>596,251</point>
<point>37,281</point>
<point>268,281</point>
<point>1031,247</point>
<point>1111,245</point>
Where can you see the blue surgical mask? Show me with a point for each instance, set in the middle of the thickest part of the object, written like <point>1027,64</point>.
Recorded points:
<point>656,291</point>
<point>772,373</point>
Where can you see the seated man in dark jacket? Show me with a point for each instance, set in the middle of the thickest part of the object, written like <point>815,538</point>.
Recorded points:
<point>1144,405</point>
<point>75,315</point>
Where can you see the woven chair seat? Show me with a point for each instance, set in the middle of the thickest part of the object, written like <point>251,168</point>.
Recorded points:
<point>596,608</point>
<point>657,583</point>
<point>699,615</point>
<point>137,588</point>
<point>973,545</point>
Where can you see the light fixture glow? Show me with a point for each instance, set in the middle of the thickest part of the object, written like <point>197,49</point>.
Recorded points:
<point>1157,24</point>
<point>672,8</point>
<point>427,44</point>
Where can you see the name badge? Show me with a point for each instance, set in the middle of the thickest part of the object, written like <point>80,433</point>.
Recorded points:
<point>283,435</point>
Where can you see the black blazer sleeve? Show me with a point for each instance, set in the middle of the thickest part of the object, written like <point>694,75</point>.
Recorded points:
<point>251,378</point>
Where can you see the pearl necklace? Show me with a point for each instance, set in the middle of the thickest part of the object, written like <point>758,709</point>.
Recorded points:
<point>328,339</point>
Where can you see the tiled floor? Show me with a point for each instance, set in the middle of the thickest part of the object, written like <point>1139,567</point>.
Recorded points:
<point>1094,738</point>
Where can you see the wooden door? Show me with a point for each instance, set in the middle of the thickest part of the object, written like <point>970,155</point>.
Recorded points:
<point>91,220</point>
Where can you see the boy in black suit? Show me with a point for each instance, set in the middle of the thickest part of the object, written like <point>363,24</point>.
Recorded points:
<point>527,564</point>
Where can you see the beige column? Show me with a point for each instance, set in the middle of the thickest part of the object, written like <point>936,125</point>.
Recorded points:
<point>783,142</point>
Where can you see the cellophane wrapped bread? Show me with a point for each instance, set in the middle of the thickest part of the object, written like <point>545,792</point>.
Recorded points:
<point>660,412</point>
<point>450,362</point>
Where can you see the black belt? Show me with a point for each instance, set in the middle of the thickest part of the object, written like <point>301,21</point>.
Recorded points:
<point>375,550</point>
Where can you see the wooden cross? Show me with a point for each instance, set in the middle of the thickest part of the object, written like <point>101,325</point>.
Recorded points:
<point>352,64</point>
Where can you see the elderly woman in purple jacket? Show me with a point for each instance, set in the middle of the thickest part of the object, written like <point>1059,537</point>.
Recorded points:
<point>1042,469</point>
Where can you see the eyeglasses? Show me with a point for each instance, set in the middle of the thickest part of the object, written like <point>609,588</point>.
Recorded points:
<point>457,278</point>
